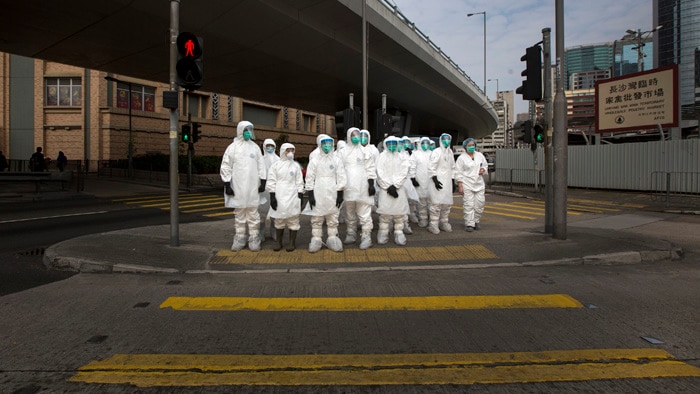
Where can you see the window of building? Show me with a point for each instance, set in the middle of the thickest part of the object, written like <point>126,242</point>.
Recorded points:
<point>259,115</point>
<point>195,105</point>
<point>143,98</point>
<point>64,92</point>
<point>309,124</point>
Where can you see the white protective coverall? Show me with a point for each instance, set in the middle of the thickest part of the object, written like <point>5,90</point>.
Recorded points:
<point>421,156</point>
<point>270,158</point>
<point>441,172</point>
<point>360,172</point>
<point>408,186</point>
<point>325,182</point>
<point>284,179</point>
<point>469,171</point>
<point>243,167</point>
<point>392,173</point>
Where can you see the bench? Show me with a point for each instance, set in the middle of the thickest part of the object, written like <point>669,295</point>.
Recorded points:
<point>36,177</point>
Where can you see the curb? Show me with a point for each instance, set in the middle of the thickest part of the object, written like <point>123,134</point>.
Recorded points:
<point>617,258</point>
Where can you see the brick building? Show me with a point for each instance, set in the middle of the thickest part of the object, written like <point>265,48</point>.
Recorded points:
<point>79,112</point>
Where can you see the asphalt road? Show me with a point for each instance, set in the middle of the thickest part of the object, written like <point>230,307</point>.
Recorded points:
<point>89,320</point>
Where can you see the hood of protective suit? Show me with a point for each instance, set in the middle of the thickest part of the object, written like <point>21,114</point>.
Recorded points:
<point>349,133</point>
<point>283,150</point>
<point>365,133</point>
<point>268,141</point>
<point>241,127</point>
<point>340,145</point>
<point>391,138</point>
<point>320,138</point>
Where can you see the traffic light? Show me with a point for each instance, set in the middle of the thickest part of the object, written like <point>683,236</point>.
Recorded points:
<point>531,88</point>
<point>526,129</point>
<point>538,134</point>
<point>195,132</point>
<point>345,119</point>
<point>189,66</point>
<point>186,133</point>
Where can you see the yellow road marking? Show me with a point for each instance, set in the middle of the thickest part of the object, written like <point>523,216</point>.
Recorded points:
<point>603,202</point>
<point>146,370</point>
<point>212,215</point>
<point>346,304</point>
<point>373,255</point>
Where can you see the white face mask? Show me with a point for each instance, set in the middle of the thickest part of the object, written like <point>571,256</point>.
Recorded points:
<point>290,156</point>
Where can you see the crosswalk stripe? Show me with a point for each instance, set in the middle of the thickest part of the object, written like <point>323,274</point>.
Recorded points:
<point>148,370</point>
<point>356,304</point>
<point>375,255</point>
<point>138,200</point>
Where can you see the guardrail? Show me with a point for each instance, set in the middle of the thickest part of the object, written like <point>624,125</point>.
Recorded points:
<point>667,185</point>
<point>517,178</point>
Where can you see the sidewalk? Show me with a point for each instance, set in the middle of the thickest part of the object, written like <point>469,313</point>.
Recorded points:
<point>625,238</point>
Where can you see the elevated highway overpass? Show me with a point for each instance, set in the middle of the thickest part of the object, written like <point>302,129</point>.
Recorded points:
<point>299,53</point>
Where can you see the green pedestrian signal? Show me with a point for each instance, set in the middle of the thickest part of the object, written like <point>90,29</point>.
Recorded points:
<point>186,133</point>
<point>538,134</point>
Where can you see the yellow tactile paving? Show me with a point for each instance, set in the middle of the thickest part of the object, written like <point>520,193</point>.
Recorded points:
<point>353,255</point>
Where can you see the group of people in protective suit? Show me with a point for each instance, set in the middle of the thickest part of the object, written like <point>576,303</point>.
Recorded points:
<point>404,183</point>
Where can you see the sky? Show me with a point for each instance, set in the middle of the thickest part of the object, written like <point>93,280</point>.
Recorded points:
<point>512,26</point>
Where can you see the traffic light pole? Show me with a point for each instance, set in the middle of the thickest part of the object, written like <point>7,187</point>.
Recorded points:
<point>174,114</point>
<point>560,133</point>
<point>190,153</point>
<point>547,97</point>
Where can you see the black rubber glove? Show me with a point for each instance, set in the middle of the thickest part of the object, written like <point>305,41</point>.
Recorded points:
<point>415,182</point>
<point>312,199</point>
<point>392,191</point>
<point>438,184</point>
<point>229,189</point>
<point>261,188</point>
<point>339,199</point>
<point>371,190</point>
<point>273,201</point>
<point>301,200</point>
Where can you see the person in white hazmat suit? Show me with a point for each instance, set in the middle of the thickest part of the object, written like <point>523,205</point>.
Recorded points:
<point>441,171</point>
<point>469,174</point>
<point>270,158</point>
<point>359,189</point>
<point>286,187</point>
<point>392,173</point>
<point>325,184</point>
<point>421,156</point>
<point>243,173</point>
<point>364,141</point>
<point>410,187</point>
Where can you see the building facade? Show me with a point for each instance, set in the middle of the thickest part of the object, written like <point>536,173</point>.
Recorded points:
<point>77,111</point>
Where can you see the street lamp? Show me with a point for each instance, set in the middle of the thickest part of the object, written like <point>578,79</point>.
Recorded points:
<point>497,89</point>
<point>484,14</point>
<point>130,154</point>
<point>638,37</point>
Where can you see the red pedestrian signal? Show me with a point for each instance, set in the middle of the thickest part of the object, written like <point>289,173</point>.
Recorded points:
<point>189,67</point>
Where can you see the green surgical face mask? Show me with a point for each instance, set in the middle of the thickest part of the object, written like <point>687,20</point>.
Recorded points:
<point>326,147</point>
<point>446,143</point>
<point>471,149</point>
<point>364,140</point>
<point>425,146</point>
<point>355,140</point>
<point>392,148</point>
<point>247,135</point>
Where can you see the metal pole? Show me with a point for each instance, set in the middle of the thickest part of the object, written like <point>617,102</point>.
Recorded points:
<point>560,137</point>
<point>485,54</point>
<point>174,115</point>
<point>131,141</point>
<point>547,96</point>
<point>365,65</point>
<point>640,51</point>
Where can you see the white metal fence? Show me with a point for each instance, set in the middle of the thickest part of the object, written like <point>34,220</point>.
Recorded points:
<point>661,167</point>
